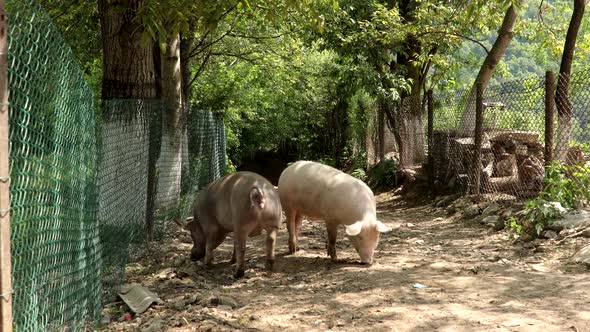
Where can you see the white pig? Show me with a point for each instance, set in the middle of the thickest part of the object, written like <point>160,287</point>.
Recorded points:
<point>321,192</point>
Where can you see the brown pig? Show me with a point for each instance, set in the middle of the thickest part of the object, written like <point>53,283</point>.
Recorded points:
<point>243,203</point>
<point>321,192</point>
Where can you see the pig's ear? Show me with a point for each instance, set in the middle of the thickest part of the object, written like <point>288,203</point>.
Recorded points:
<point>381,227</point>
<point>354,229</point>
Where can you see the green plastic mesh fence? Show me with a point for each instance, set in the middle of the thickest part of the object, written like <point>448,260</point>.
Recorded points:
<point>513,142</point>
<point>82,188</point>
<point>205,155</point>
<point>54,197</point>
<point>122,179</point>
<point>185,160</point>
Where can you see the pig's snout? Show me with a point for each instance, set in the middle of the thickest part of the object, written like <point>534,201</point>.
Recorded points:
<point>367,259</point>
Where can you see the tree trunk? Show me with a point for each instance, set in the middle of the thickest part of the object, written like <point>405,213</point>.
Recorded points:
<point>391,120</point>
<point>128,66</point>
<point>186,44</point>
<point>170,158</point>
<point>381,132</point>
<point>505,35</point>
<point>564,106</point>
<point>410,114</point>
<point>128,73</point>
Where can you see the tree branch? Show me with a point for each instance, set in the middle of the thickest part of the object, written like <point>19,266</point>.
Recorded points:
<point>199,71</point>
<point>194,51</point>
<point>542,19</point>
<point>221,17</point>
<point>456,35</point>
<point>255,37</point>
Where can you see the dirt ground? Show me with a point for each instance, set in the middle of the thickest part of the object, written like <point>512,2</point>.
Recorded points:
<point>432,273</point>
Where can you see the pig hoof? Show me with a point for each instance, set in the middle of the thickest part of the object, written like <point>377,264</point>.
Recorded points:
<point>196,254</point>
<point>196,257</point>
<point>293,249</point>
<point>239,273</point>
<point>270,264</point>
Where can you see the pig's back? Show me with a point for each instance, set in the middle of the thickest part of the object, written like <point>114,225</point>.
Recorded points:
<point>232,198</point>
<point>322,192</point>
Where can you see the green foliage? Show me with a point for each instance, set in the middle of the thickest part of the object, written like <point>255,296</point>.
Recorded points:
<point>537,47</point>
<point>229,166</point>
<point>384,174</point>
<point>567,184</point>
<point>515,227</point>
<point>360,174</point>
<point>275,91</point>
<point>79,23</point>
<point>539,213</point>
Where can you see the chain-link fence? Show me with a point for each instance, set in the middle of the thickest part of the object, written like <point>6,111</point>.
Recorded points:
<point>517,139</point>
<point>84,188</point>
<point>53,158</point>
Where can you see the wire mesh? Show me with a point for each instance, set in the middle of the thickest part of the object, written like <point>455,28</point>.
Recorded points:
<point>80,183</point>
<point>513,161</point>
<point>568,176</point>
<point>450,168</point>
<point>53,158</point>
<point>122,180</point>
<point>206,146</point>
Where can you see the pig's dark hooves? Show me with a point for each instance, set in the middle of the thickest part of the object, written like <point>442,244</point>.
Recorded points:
<point>196,256</point>
<point>238,274</point>
<point>270,265</point>
<point>293,250</point>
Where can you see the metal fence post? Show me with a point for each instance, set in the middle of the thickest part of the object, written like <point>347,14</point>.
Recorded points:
<point>478,138</point>
<point>430,106</point>
<point>549,115</point>
<point>5,263</point>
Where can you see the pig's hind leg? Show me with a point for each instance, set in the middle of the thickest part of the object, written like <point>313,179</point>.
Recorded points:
<point>294,219</point>
<point>271,239</point>
<point>240,236</point>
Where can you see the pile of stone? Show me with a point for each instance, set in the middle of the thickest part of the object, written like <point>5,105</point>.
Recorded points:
<point>512,162</point>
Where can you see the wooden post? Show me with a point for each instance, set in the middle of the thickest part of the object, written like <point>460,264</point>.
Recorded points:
<point>478,135</point>
<point>430,106</point>
<point>5,263</point>
<point>549,115</point>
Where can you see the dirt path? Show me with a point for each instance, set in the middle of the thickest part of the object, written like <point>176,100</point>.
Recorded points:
<point>475,280</point>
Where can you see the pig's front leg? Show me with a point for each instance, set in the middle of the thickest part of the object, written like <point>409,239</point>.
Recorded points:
<point>332,229</point>
<point>197,252</point>
<point>271,239</point>
<point>233,255</point>
<point>215,237</point>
